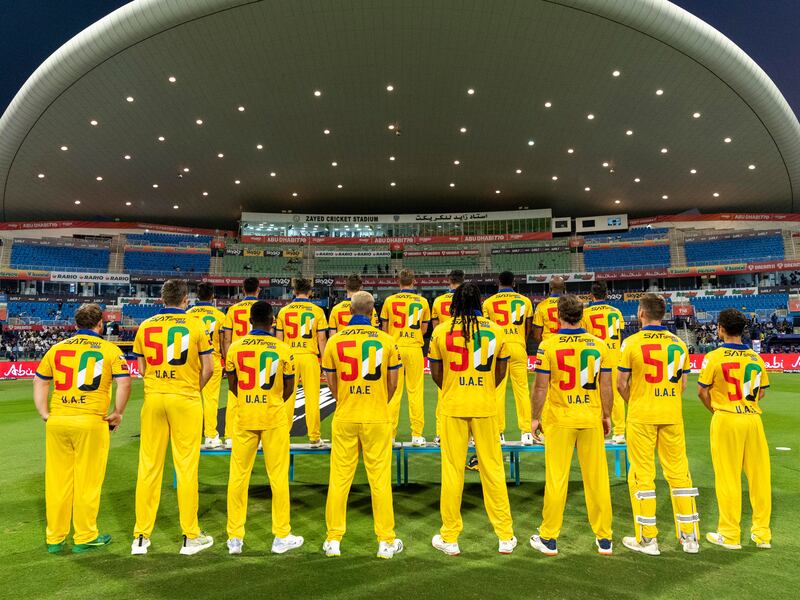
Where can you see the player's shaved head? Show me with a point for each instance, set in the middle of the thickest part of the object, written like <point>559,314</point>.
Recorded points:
<point>261,315</point>
<point>653,307</point>
<point>362,303</point>
<point>570,309</point>
<point>406,277</point>
<point>558,285</point>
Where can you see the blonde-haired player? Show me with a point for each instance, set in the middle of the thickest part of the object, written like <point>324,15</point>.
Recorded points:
<point>213,319</point>
<point>605,322</point>
<point>340,314</point>
<point>303,326</point>
<point>175,360</point>
<point>405,317</point>
<point>361,364</point>
<point>652,376</point>
<point>732,384</point>
<point>261,374</point>
<point>573,376</point>
<point>77,423</point>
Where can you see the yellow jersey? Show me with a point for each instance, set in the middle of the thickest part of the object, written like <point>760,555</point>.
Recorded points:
<point>237,319</point>
<point>300,321</point>
<point>171,343</point>
<point>340,316</point>
<point>213,319</point>
<point>657,361</point>
<point>736,376</point>
<point>441,307</point>
<point>468,387</point>
<point>361,355</point>
<point>405,313</point>
<point>262,363</point>
<point>82,368</point>
<point>605,322</point>
<point>511,311</point>
<point>574,360</point>
<point>546,316</point>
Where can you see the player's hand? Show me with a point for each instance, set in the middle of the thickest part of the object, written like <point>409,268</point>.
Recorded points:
<point>113,420</point>
<point>536,425</point>
<point>606,425</point>
<point>45,416</point>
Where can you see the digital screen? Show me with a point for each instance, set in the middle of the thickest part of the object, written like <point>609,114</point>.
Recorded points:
<point>614,222</point>
<point>587,223</point>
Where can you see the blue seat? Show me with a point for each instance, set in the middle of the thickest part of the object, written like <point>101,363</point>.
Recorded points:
<point>59,258</point>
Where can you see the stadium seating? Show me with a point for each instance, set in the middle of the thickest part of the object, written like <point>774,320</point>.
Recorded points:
<point>737,250</point>
<point>166,262</point>
<point>556,261</point>
<point>55,258</point>
<point>441,264</point>
<point>139,312</point>
<point>168,239</point>
<point>763,304</point>
<point>610,259</point>
<point>342,265</point>
<point>43,311</point>
<point>261,265</point>
<point>639,233</point>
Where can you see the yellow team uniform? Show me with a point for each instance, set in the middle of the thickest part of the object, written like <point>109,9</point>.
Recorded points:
<point>736,376</point>
<point>574,360</point>
<point>300,321</point>
<point>237,321</point>
<point>440,312</point>
<point>76,436</point>
<point>361,357</point>
<point>339,318</point>
<point>657,361</point>
<point>546,316</point>
<point>605,322</point>
<point>171,343</point>
<point>213,319</point>
<point>469,406</point>
<point>511,312</point>
<point>405,313</point>
<point>262,364</point>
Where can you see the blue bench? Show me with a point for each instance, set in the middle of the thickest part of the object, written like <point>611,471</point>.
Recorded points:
<point>514,450</point>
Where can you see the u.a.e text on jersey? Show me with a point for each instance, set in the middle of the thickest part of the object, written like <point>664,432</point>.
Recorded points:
<point>300,321</point>
<point>237,319</point>
<point>735,376</point>
<point>405,313</point>
<point>510,311</point>
<point>82,368</point>
<point>546,316</point>
<point>213,319</point>
<point>171,344</point>
<point>340,315</point>
<point>605,322</point>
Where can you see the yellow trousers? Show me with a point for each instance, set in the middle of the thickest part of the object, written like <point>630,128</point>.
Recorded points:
<point>177,420</point>
<point>618,408</point>
<point>230,416</point>
<point>411,376</point>
<point>738,442</point>
<point>455,439</point>
<point>375,441</point>
<point>210,394</point>
<point>275,443</point>
<point>518,374</point>
<point>561,441</point>
<point>307,373</point>
<point>670,442</point>
<point>76,452</point>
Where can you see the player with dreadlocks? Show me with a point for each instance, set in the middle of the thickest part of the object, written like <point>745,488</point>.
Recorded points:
<point>468,357</point>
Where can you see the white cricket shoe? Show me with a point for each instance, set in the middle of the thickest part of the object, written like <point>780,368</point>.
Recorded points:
<point>690,543</point>
<point>388,550</point>
<point>718,539</point>
<point>228,443</point>
<point>235,545</point>
<point>331,548</point>
<point>545,546</point>
<point>759,542</point>
<point>451,549</point>
<point>647,546</point>
<point>212,443</point>
<point>538,438</point>
<point>417,441</point>
<point>507,546</point>
<point>284,544</point>
<point>140,545</point>
<point>316,443</point>
<point>604,546</point>
<point>437,440</point>
<point>618,439</point>
<point>192,546</point>
<point>526,439</point>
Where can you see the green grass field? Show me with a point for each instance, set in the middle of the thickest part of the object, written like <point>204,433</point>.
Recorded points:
<point>27,571</point>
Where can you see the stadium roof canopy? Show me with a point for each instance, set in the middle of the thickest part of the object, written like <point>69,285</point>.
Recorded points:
<point>574,104</point>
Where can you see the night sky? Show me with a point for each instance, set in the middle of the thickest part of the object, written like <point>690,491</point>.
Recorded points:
<point>31,30</point>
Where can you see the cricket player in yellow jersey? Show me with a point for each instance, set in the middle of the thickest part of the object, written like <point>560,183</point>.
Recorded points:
<point>652,376</point>
<point>303,326</point>
<point>605,322</point>
<point>235,327</point>
<point>77,424</point>
<point>732,383</point>
<point>339,316</point>
<point>261,373</point>
<point>405,317</point>
<point>545,317</point>
<point>361,364</point>
<point>175,360</point>
<point>468,358</point>
<point>513,313</point>
<point>213,319</point>
<point>440,313</point>
<point>573,376</point>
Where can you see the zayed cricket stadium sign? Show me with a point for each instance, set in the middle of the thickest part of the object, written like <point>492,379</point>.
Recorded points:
<point>251,220</point>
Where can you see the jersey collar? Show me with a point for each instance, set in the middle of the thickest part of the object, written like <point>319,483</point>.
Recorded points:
<point>251,297</point>
<point>555,295</point>
<point>171,310</point>
<point>597,303</point>
<point>88,332</point>
<point>259,332</point>
<point>203,304</point>
<point>359,320</point>
<point>301,299</point>
<point>408,291</point>
<point>735,346</point>
<point>505,289</point>
<point>572,331</point>
<point>654,328</point>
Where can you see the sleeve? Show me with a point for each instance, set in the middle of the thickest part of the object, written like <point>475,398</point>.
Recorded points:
<point>119,366</point>
<point>228,321</point>
<point>606,364</point>
<point>504,351</point>
<point>542,364</point>
<point>376,320</point>
<point>434,352</point>
<point>385,311</point>
<point>706,377</point>
<point>323,321</point>
<point>138,349</point>
<point>394,356</point>
<point>528,307</point>
<point>279,321</point>
<point>764,374</point>
<point>625,357</point>
<point>201,339</point>
<point>621,325</point>
<point>333,321</point>
<point>687,360</point>
<point>435,308</point>
<point>288,366</point>
<point>537,316</point>
<point>230,359</point>
<point>329,358</point>
<point>426,310</point>
<point>485,308</point>
<point>45,368</point>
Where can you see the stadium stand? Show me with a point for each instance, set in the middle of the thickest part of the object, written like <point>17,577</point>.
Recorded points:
<point>140,312</point>
<point>639,233</point>
<point>610,259</point>
<point>734,250</point>
<point>61,257</point>
<point>233,264</point>
<point>505,258</point>
<point>43,311</point>
<point>149,261</point>
<point>437,259</point>
<point>341,265</point>
<point>168,239</point>
<point>762,304</point>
